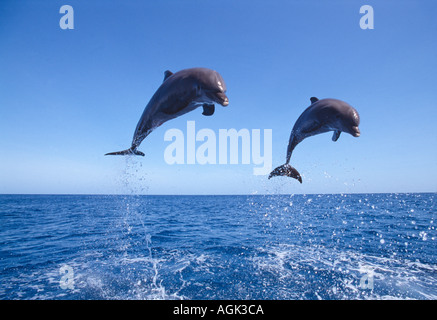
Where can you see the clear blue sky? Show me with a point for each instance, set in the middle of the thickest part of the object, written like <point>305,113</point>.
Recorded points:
<point>69,96</point>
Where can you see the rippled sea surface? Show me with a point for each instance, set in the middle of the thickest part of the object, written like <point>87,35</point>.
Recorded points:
<point>350,246</point>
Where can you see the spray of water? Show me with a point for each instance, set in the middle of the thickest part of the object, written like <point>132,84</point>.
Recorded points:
<point>135,186</point>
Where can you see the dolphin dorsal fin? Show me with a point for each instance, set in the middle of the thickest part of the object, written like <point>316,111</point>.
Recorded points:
<point>167,74</point>
<point>313,99</point>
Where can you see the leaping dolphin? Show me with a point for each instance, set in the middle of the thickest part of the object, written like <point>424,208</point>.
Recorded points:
<point>320,117</point>
<point>180,92</point>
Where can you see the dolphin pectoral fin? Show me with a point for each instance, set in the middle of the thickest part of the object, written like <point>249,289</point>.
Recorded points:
<point>167,74</point>
<point>336,135</point>
<point>313,99</point>
<point>208,109</point>
<point>286,170</point>
<point>130,151</point>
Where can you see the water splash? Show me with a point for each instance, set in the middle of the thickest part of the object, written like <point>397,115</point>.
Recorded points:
<point>134,185</point>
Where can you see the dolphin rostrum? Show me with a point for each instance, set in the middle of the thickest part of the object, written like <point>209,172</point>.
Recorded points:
<point>320,117</point>
<point>180,92</point>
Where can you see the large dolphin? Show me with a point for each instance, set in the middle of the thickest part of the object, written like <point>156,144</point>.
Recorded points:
<point>320,117</point>
<point>181,92</point>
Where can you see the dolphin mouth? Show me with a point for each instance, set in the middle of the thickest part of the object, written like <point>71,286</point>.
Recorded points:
<point>219,97</point>
<point>355,131</point>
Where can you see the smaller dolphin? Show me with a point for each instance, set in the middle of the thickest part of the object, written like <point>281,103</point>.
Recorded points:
<point>320,117</point>
<point>180,92</point>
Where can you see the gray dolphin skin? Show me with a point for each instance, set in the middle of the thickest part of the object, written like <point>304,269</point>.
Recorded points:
<point>180,92</point>
<point>320,117</point>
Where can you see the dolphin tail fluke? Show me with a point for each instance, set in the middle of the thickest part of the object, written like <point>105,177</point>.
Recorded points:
<point>286,170</point>
<point>130,151</point>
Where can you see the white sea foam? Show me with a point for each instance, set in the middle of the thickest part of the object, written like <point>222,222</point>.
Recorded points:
<point>342,271</point>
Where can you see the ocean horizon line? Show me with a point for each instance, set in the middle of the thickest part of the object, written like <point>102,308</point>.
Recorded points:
<point>209,195</point>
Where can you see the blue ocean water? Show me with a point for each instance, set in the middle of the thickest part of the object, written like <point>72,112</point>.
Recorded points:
<point>349,246</point>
